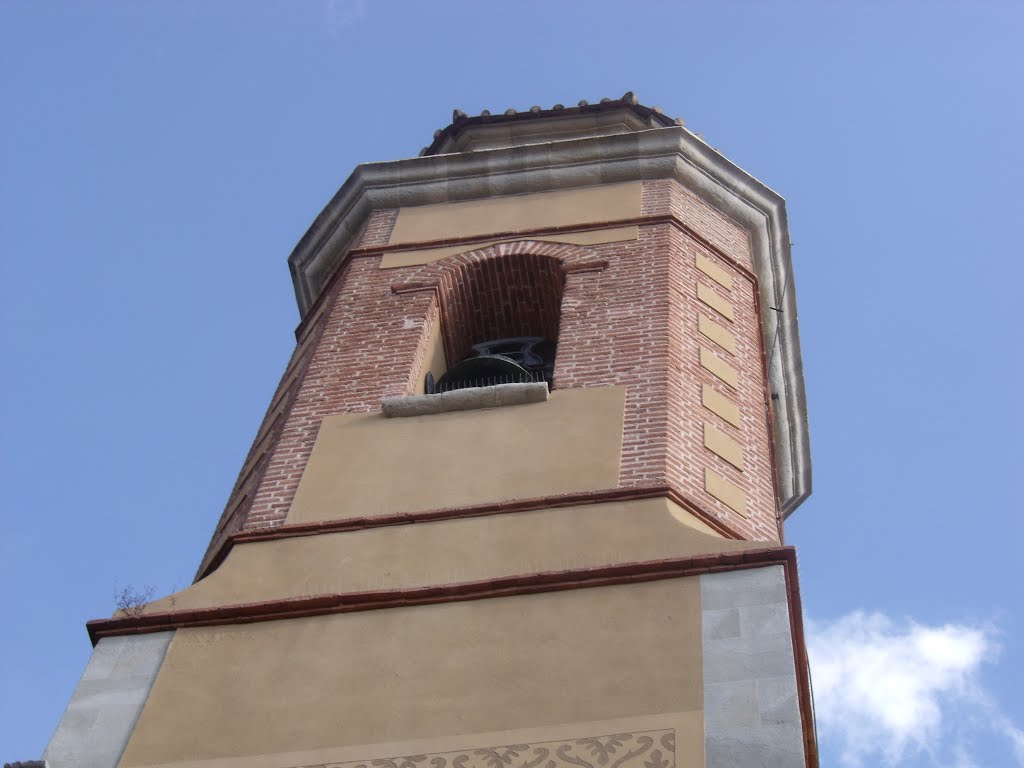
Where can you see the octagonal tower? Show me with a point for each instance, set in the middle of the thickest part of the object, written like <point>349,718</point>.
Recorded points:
<point>518,499</point>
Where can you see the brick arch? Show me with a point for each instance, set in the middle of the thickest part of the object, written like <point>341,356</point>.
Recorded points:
<point>508,289</point>
<point>574,258</point>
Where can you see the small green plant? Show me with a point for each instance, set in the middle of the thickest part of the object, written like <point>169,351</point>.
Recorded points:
<point>131,602</point>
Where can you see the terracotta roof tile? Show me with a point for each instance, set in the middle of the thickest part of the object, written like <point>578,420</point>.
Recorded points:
<point>628,100</point>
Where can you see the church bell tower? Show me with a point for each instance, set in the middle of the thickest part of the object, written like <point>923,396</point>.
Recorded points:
<point>518,500</point>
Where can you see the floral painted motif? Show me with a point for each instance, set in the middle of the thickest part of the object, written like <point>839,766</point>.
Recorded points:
<point>644,749</point>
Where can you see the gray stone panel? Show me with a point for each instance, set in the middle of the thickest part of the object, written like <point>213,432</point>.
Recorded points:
<point>743,588</point>
<point>751,707</point>
<point>98,720</point>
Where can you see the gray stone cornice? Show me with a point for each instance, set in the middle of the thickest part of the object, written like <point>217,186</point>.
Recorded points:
<point>671,152</point>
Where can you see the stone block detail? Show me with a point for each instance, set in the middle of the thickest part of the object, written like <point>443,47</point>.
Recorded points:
<point>717,333</point>
<point>721,405</point>
<point>711,362</point>
<point>751,709</point>
<point>107,701</point>
<point>715,272</point>
<point>725,492</point>
<point>716,302</point>
<point>721,444</point>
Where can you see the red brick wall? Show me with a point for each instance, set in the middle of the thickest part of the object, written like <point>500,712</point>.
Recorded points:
<point>688,414</point>
<point>378,228</point>
<point>667,196</point>
<point>519,294</point>
<point>628,316</point>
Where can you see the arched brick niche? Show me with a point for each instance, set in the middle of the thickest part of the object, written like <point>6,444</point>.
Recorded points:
<point>504,290</point>
<point>517,295</point>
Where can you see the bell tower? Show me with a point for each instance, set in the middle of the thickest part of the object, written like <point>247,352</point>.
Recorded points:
<point>518,499</point>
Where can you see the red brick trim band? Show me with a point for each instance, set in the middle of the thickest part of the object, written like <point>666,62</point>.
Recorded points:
<point>478,510</point>
<point>534,583</point>
<point>800,659</point>
<point>552,581</point>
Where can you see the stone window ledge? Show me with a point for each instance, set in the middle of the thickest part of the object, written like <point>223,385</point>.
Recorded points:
<point>466,399</point>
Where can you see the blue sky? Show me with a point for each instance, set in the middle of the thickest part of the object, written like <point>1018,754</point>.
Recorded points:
<point>158,161</point>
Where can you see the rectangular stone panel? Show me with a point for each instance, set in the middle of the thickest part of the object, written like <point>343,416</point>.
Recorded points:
<point>716,302</point>
<point>712,362</point>
<point>726,492</point>
<point>716,333</point>
<point>751,704</point>
<point>715,272</point>
<point>720,443</point>
<point>103,709</point>
<point>720,404</point>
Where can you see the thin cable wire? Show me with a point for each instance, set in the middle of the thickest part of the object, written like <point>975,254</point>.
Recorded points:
<point>778,319</point>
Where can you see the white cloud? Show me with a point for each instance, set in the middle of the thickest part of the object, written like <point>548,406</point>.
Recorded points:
<point>885,692</point>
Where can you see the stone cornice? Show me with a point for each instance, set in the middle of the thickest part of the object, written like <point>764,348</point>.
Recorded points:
<point>671,152</point>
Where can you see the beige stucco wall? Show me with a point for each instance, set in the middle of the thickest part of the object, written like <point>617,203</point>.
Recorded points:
<point>395,675</point>
<point>669,741</point>
<point>367,465</point>
<point>453,551</point>
<point>516,213</point>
